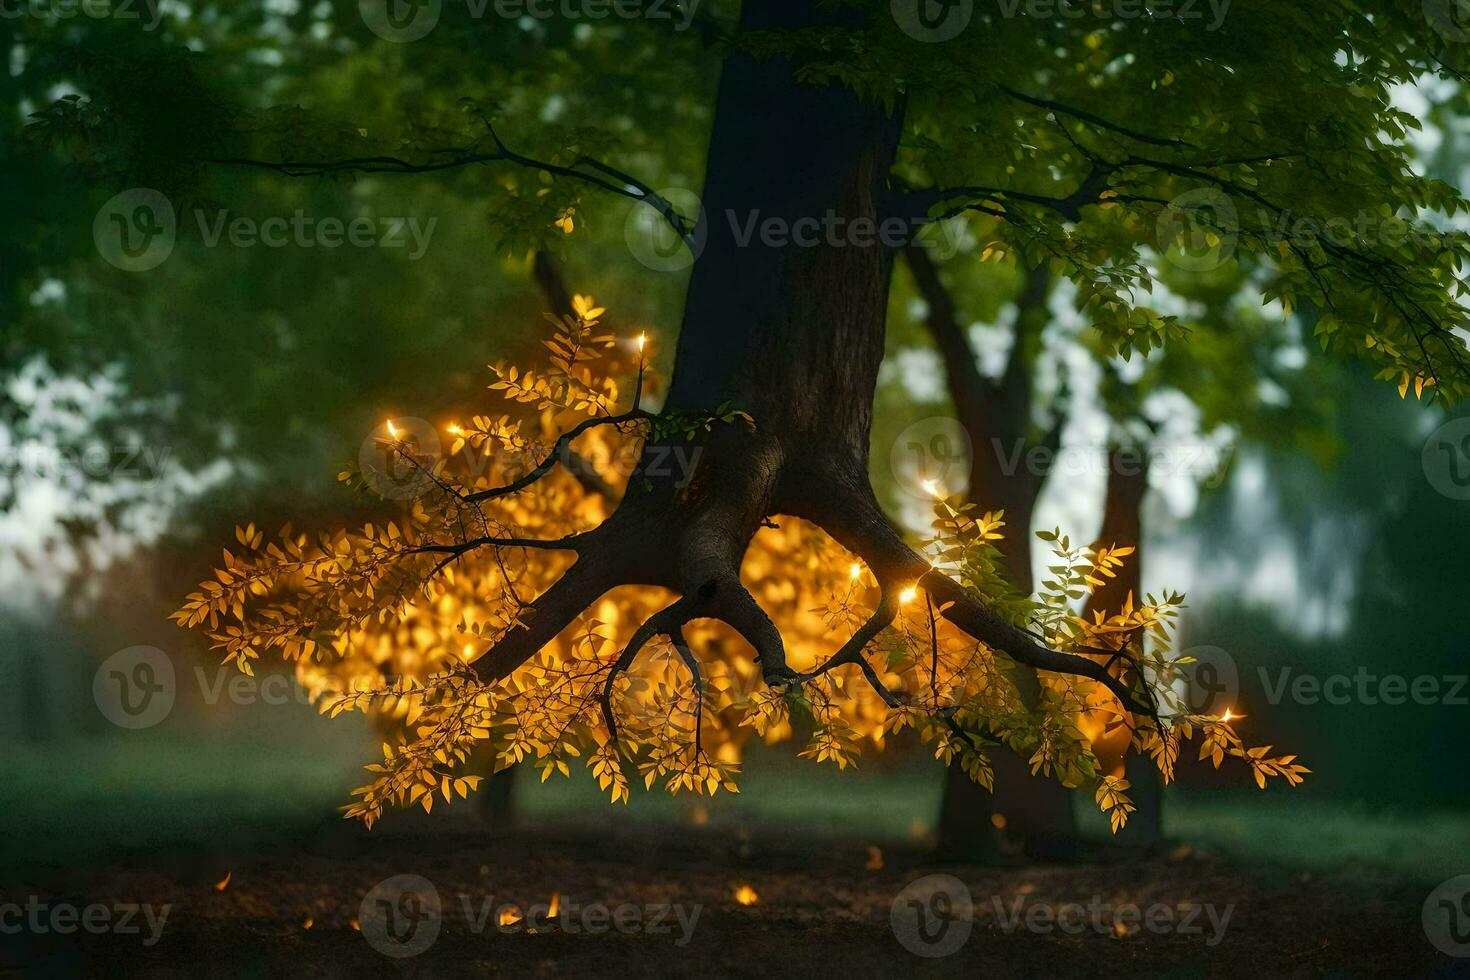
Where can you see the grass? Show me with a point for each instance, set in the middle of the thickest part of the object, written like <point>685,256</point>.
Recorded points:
<point>81,801</point>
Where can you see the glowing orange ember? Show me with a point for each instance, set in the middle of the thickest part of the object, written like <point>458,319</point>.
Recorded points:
<point>746,895</point>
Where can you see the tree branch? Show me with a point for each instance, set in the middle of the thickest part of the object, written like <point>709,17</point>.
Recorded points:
<point>558,453</point>
<point>855,521</point>
<point>1096,120</point>
<point>665,622</point>
<point>730,603</point>
<point>453,158</point>
<point>851,652</point>
<point>593,574</point>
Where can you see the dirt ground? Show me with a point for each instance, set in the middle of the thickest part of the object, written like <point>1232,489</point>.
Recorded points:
<point>812,909</point>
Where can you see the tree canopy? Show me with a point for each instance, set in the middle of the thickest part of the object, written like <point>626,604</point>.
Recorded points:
<point>1254,150</point>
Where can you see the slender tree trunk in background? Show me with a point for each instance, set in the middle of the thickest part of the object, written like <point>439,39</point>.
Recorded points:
<point>496,799</point>
<point>1036,811</point>
<point>1122,526</point>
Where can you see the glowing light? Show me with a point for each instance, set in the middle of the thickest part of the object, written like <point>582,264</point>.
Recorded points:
<point>454,429</point>
<point>931,487</point>
<point>392,429</point>
<point>509,916</point>
<point>908,595</point>
<point>642,341</point>
<point>468,651</point>
<point>224,883</point>
<point>855,571</point>
<point>1230,715</point>
<point>555,905</point>
<point>746,895</point>
<point>308,922</point>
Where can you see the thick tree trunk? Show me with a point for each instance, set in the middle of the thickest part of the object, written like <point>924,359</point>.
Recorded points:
<point>790,333</point>
<point>1122,526</point>
<point>788,330</point>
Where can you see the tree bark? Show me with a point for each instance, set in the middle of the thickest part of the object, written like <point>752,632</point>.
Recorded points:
<point>789,333</point>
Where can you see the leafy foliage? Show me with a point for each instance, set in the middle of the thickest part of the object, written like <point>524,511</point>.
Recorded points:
<point>391,618</point>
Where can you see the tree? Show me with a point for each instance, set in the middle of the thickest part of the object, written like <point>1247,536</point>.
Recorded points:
<point>997,416</point>
<point>779,351</point>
